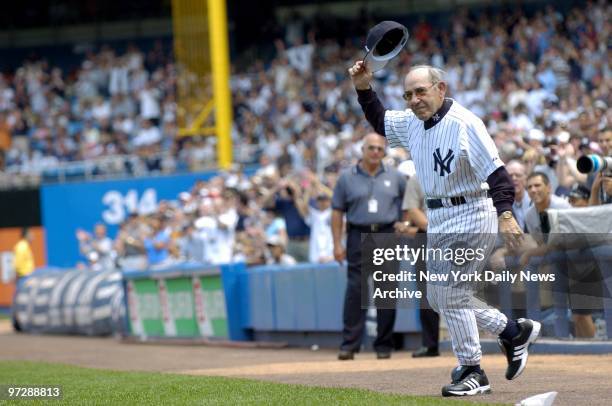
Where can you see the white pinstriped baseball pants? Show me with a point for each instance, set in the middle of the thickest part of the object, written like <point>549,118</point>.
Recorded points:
<point>473,224</point>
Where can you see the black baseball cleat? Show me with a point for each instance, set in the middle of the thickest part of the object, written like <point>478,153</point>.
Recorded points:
<point>474,383</point>
<point>458,373</point>
<point>517,350</point>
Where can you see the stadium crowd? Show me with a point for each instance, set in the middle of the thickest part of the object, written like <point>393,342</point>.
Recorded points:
<point>540,82</point>
<point>220,221</point>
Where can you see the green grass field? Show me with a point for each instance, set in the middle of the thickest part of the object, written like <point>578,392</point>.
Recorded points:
<point>93,386</point>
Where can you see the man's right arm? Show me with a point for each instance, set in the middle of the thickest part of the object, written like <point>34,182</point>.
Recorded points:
<point>339,203</point>
<point>337,225</point>
<point>594,199</point>
<point>370,104</point>
<point>373,109</point>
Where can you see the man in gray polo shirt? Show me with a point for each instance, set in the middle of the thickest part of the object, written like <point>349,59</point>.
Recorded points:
<point>370,194</point>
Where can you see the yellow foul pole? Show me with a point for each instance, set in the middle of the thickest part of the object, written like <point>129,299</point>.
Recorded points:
<point>219,52</point>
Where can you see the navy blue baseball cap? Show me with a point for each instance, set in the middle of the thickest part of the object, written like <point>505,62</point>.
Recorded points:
<point>384,41</point>
<point>580,191</point>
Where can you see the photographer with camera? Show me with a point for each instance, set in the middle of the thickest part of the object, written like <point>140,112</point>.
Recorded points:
<point>581,276</point>
<point>601,181</point>
<point>565,156</point>
<point>283,198</point>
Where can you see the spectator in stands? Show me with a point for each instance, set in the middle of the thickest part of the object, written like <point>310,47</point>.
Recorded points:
<point>530,70</point>
<point>150,104</point>
<point>147,135</point>
<point>601,189</point>
<point>566,169</point>
<point>157,245</point>
<point>282,198</point>
<point>129,243</point>
<point>187,244</point>
<point>522,202</point>
<point>97,248</point>
<point>276,225</point>
<point>206,229</point>
<point>583,281</point>
<point>584,275</point>
<point>536,219</point>
<point>317,214</point>
<point>579,195</point>
<point>227,218</point>
<point>275,254</point>
<point>251,245</point>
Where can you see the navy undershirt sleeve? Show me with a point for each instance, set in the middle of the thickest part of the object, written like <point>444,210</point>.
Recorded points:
<point>373,109</point>
<point>501,190</point>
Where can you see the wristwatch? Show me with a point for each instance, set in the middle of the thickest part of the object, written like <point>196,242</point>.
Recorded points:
<point>507,215</point>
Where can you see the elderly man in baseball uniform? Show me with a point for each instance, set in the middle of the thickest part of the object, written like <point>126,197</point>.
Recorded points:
<point>458,167</point>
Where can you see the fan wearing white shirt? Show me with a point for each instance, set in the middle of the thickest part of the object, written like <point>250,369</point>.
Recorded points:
<point>147,135</point>
<point>276,254</point>
<point>317,215</point>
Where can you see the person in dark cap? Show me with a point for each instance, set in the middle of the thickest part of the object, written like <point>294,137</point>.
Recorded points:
<point>579,195</point>
<point>582,276</point>
<point>601,182</point>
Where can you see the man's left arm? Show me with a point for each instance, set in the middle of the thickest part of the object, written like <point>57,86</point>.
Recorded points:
<point>502,193</point>
<point>501,190</point>
<point>484,158</point>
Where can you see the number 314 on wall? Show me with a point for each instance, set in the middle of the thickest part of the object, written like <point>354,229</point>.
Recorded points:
<point>119,205</point>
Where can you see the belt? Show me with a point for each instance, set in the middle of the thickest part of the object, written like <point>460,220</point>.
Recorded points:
<point>370,228</point>
<point>437,203</point>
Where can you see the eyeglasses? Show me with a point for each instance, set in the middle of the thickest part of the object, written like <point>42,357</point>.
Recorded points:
<point>375,148</point>
<point>419,92</point>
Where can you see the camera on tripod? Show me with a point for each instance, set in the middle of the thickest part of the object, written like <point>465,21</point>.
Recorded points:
<point>593,163</point>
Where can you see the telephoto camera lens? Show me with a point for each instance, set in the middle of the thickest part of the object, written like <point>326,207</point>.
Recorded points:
<point>593,163</point>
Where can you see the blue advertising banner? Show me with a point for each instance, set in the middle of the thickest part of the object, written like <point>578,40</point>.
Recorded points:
<point>70,206</point>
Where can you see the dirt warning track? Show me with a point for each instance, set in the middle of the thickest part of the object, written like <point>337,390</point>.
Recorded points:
<point>579,379</point>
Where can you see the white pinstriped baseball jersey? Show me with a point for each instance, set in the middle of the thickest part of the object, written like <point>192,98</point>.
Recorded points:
<point>454,157</point>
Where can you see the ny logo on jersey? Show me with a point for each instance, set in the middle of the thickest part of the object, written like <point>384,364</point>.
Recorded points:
<point>443,163</point>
